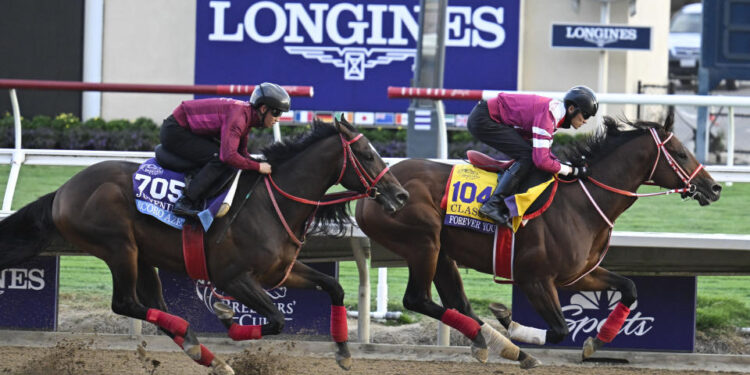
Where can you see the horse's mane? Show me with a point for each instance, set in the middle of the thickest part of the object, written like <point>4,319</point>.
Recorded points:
<point>329,219</point>
<point>291,146</point>
<point>605,141</point>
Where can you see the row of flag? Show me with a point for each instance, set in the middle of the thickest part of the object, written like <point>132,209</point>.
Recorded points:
<point>364,118</point>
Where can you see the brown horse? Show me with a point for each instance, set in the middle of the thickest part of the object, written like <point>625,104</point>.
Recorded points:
<point>560,249</point>
<point>96,212</point>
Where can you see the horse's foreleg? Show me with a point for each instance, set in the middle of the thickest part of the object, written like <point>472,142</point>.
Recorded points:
<point>305,277</point>
<point>601,279</point>
<point>250,293</point>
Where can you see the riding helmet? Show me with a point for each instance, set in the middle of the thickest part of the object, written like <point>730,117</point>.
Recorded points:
<point>583,99</point>
<point>272,95</point>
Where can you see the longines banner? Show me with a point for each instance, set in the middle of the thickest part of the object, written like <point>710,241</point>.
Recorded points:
<point>663,317</point>
<point>28,295</point>
<point>616,37</point>
<point>351,51</point>
<point>305,311</point>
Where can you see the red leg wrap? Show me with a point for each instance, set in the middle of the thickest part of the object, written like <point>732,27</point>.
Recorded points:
<point>468,326</point>
<point>206,356</point>
<point>179,340</point>
<point>339,329</point>
<point>238,332</point>
<point>614,322</point>
<point>173,324</point>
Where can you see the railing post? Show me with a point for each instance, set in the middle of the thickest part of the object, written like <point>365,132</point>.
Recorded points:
<point>18,155</point>
<point>730,138</point>
<point>361,250</point>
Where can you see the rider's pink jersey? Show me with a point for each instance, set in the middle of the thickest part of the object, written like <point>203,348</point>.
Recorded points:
<point>536,118</point>
<point>229,120</point>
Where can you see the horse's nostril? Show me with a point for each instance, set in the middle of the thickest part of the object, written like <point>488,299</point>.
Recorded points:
<point>403,196</point>
<point>716,189</point>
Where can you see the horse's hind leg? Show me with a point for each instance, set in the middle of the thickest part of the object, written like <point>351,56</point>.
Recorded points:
<point>450,288</point>
<point>602,279</point>
<point>149,292</point>
<point>305,277</point>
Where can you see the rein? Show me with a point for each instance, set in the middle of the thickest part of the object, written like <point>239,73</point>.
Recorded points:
<point>660,147</point>
<point>367,181</point>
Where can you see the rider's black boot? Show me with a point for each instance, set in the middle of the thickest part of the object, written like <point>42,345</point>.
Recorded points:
<point>193,194</point>
<point>507,183</point>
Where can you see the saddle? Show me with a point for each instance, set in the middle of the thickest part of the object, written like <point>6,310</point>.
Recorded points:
<point>175,163</point>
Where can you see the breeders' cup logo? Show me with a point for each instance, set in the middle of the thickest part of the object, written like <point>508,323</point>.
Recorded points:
<point>243,315</point>
<point>600,36</point>
<point>354,37</point>
<point>583,305</point>
<point>151,169</point>
<point>21,279</point>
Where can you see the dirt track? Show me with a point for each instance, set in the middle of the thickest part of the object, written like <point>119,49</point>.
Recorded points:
<point>76,357</point>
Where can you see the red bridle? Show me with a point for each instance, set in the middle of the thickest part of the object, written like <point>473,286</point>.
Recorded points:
<point>367,181</point>
<point>660,147</point>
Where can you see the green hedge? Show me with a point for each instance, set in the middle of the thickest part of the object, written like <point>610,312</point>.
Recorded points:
<point>68,132</point>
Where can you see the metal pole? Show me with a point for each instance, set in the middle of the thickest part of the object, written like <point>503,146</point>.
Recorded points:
<point>603,56</point>
<point>730,138</point>
<point>93,31</point>
<point>361,249</point>
<point>18,155</point>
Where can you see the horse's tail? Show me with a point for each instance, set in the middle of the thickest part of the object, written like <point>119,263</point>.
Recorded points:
<point>27,232</point>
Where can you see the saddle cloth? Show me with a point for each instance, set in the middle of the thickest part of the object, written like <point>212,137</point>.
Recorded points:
<point>156,189</point>
<point>468,187</point>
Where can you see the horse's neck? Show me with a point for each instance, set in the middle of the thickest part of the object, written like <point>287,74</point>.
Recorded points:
<point>622,172</point>
<point>307,175</point>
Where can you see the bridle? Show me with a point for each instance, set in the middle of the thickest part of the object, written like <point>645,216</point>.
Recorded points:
<point>681,173</point>
<point>368,182</point>
<point>660,148</point>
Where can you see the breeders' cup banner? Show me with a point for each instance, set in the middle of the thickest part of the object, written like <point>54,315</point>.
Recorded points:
<point>663,317</point>
<point>619,37</point>
<point>351,51</point>
<point>305,311</point>
<point>28,295</point>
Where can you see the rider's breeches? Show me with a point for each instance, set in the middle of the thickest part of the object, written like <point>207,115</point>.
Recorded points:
<point>499,136</point>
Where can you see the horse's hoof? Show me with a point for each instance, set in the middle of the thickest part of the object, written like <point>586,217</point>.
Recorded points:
<point>222,311</point>
<point>501,312</point>
<point>590,346</point>
<point>219,367</point>
<point>481,354</point>
<point>194,352</point>
<point>345,362</point>
<point>529,362</point>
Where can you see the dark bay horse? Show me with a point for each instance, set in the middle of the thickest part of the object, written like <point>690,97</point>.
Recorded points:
<point>555,250</point>
<point>96,212</point>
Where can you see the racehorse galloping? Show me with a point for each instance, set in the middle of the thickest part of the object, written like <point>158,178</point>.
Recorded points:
<point>557,249</point>
<point>96,212</point>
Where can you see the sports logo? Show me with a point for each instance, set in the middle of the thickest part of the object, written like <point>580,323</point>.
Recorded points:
<point>354,60</point>
<point>208,295</point>
<point>588,311</point>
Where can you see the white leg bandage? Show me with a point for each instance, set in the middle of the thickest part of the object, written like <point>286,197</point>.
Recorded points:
<point>527,334</point>
<point>499,343</point>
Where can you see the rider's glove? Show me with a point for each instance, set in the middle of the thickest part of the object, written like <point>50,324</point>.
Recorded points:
<point>580,172</point>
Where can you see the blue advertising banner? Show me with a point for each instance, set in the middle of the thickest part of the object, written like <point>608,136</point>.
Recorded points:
<point>663,317</point>
<point>28,295</point>
<point>351,51</point>
<point>306,311</point>
<point>622,37</point>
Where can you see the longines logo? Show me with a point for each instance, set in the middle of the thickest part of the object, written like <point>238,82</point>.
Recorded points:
<point>21,278</point>
<point>579,320</point>
<point>362,43</point>
<point>600,36</point>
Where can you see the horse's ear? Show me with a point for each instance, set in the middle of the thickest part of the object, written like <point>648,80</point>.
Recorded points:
<point>346,124</point>
<point>669,122</point>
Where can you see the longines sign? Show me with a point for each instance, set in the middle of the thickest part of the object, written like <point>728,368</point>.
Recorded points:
<point>351,51</point>
<point>601,36</point>
<point>28,295</point>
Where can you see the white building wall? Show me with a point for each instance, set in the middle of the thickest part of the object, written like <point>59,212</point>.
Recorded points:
<point>148,42</point>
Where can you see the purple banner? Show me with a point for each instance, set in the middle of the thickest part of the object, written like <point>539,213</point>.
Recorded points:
<point>28,295</point>
<point>306,311</point>
<point>663,317</point>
